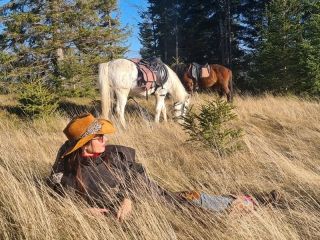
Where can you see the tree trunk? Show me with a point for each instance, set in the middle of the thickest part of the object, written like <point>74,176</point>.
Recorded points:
<point>177,44</point>
<point>176,33</point>
<point>222,41</point>
<point>165,38</point>
<point>228,37</point>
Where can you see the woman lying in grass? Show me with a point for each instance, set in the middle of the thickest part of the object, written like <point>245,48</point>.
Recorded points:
<point>109,179</point>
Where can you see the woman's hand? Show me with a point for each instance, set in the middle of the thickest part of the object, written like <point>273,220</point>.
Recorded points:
<point>98,212</point>
<point>124,209</point>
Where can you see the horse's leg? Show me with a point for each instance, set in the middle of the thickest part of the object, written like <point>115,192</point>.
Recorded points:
<point>122,97</point>
<point>229,96</point>
<point>220,92</point>
<point>160,104</point>
<point>164,113</point>
<point>227,91</point>
<point>226,79</point>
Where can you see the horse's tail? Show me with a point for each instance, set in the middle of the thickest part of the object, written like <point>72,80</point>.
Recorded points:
<point>104,89</point>
<point>231,85</point>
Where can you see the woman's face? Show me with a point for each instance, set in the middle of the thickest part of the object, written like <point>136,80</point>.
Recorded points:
<point>96,145</point>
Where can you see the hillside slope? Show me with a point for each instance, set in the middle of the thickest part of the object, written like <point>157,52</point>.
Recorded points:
<point>282,149</point>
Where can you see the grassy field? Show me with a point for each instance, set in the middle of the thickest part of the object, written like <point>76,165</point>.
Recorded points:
<point>282,152</point>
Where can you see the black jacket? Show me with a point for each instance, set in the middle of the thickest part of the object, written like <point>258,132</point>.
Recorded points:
<point>108,178</point>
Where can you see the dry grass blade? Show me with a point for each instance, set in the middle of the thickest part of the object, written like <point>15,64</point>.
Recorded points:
<point>281,137</point>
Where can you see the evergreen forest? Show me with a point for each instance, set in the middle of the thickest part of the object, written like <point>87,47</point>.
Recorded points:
<point>53,48</point>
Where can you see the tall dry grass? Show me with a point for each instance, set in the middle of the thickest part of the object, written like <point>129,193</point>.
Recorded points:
<point>282,149</point>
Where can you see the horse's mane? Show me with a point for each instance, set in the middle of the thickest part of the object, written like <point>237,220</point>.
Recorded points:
<point>180,69</point>
<point>177,90</point>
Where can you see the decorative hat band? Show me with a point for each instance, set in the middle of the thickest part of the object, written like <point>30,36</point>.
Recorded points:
<point>94,127</point>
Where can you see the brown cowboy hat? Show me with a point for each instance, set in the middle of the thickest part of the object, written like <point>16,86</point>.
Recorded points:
<point>83,128</point>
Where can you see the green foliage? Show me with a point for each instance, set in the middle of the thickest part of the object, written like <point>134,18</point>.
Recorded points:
<point>76,79</point>
<point>287,60</point>
<point>60,42</point>
<point>210,128</point>
<point>36,100</point>
<point>222,32</point>
<point>310,50</point>
<point>147,37</point>
<point>278,53</point>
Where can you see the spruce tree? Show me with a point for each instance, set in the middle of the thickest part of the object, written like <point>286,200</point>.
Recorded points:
<point>194,31</point>
<point>277,58</point>
<point>309,55</point>
<point>160,33</point>
<point>60,42</point>
<point>147,36</point>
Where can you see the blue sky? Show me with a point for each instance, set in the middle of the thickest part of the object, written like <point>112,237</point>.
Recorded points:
<point>129,15</point>
<point>129,10</point>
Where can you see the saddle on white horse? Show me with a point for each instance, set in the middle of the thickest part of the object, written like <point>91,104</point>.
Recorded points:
<point>152,72</point>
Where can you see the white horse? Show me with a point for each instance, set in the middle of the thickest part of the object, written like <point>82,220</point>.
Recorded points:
<point>120,76</point>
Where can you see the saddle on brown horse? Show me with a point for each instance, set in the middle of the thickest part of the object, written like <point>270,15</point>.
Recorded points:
<point>195,76</point>
<point>197,71</point>
<point>151,72</point>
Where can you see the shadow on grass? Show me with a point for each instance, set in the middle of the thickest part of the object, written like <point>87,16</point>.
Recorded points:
<point>136,109</point>
<point>13,110</point>
<point>66,108</point>
<point>71,109</point>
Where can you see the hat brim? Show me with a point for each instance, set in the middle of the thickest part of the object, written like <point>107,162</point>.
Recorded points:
<point>106,128</point>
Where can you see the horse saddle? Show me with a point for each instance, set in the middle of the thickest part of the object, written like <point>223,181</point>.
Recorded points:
<point>205,71</point>
<point>197,71</point>
<point>151,72</point>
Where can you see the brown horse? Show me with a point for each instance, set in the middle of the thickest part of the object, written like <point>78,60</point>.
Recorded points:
<point>211,76</point>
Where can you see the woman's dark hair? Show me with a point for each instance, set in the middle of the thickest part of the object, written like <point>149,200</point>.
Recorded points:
<point>72,166</point>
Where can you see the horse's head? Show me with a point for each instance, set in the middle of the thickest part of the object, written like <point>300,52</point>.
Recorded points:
<point>190,78</point>
<point>195,86</point>
<point>188,83</point>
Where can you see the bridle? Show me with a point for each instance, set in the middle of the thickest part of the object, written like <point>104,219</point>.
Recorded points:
<point>180,106</point>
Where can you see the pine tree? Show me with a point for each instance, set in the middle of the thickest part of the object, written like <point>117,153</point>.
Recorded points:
<point>60,42</point>
<point>278,56</point>
<point>251,15</point>
<point>147,36</point>
<point>160,33</point>
<point>252,18</point>
<point>193,31</point>
<point>309,61</point>
<point>269,45</point>
<point>199,45</point>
